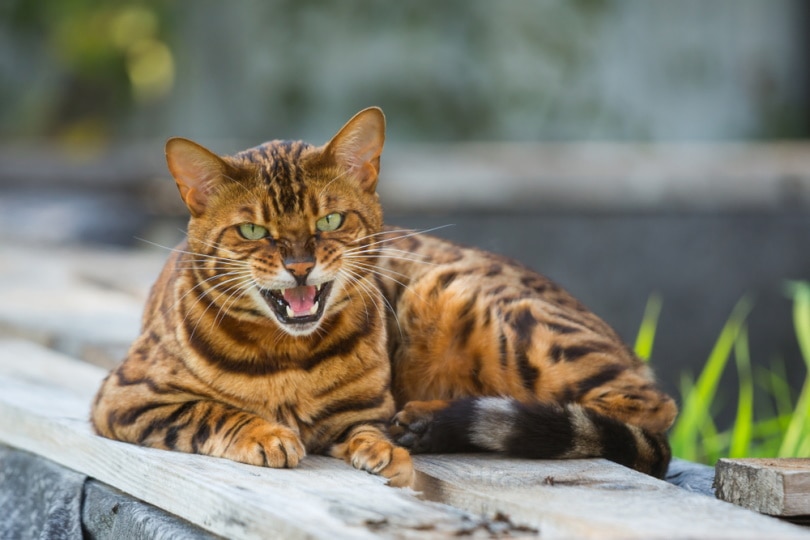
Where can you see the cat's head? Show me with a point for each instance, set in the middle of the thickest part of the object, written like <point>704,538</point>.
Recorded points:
<point>283,230</point>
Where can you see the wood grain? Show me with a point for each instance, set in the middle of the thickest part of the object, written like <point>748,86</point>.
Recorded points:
<point>72,301</point>
<point>587,499</point>
<point>778,487</point>
<point>44,403</point>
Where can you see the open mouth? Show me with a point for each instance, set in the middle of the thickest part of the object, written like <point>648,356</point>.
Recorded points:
<point>298,304</point>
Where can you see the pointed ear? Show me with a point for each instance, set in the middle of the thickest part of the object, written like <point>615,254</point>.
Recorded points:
<point>358,145</point>
<point>196,171</point>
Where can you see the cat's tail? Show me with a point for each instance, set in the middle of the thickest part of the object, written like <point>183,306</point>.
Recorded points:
<point>532,430</point>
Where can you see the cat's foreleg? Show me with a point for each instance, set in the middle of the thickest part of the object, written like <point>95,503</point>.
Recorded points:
<point>205,427</point>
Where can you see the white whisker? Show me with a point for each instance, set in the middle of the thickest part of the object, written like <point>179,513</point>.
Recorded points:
<point>379,233</point>
<point>400,252</point>
<point>204,281</point>
<point>377,268</point>
<point>208,244</point>
<point>236,292</point>
<point>379,272</point>
<point>238,183</point>
<point>362,297</point>
<point>211,290</point>
<point>357,280</point>
<point>332,180</point>
<point>410,234</point>
<point>185,252</point>
<point>377,255</point>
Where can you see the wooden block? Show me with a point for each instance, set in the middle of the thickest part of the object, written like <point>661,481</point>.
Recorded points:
<point>777,487</point>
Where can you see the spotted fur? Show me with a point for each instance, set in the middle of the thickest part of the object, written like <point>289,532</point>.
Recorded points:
<point>240,357</point>
<point>489,355</point>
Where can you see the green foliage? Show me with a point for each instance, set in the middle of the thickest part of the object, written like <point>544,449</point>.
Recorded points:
<point>740,445</point>
<point>797,438</point>
<point>694,420</point>
<point>649,323</point>
<point>84,64</point>
<point>774,427</point>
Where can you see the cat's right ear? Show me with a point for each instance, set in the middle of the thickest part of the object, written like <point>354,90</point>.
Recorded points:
<point>196,171</point>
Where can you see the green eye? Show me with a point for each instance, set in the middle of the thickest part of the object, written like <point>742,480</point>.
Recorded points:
<point>330,222</point>
<point>251,231</point>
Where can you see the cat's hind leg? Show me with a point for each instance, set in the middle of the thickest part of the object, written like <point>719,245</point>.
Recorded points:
<point>412,427</point>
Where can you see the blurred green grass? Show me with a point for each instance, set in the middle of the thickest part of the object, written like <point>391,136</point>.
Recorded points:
<point>776,426</point>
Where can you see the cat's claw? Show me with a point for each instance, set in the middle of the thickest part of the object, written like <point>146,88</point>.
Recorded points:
<point>373,452</point>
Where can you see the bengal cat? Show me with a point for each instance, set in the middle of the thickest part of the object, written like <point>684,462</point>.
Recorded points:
<point>291,321</point>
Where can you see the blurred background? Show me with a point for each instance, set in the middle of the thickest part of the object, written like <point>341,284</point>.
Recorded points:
<point>627,149</point>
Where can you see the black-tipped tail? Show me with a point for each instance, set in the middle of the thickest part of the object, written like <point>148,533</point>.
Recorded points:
<point>538,431</point>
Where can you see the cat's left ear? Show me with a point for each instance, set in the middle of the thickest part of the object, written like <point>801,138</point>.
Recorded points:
<point>196,171</point>
<point>358,145</point>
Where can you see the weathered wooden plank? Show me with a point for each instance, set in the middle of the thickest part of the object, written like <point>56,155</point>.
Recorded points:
<point>587,499</point>
<point>778,487</point>
<point>85,303</point>
<point>44,399</point>
<point>44,403</point>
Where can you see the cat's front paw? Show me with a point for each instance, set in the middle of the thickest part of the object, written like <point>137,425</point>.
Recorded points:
<point>412,426</point>
<point>371,451</point>
<point>267,445</point>
<point>383,458</point>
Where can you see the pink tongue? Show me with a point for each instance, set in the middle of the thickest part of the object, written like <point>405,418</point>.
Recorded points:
<point>301,299</point>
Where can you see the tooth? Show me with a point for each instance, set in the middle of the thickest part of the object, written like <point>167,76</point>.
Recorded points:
<point>318,287</point>
<point>314,309</point>
<point>282,291</point>
<point>290,312</point>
